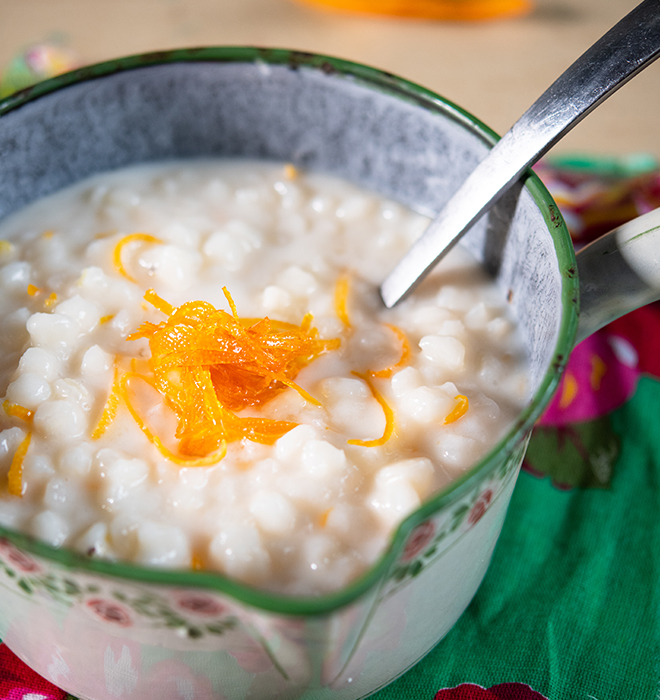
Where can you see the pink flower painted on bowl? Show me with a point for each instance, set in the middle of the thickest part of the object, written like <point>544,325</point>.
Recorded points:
<point>502,691</point>
<point>110,611</point>
<point>21,561</point>
<point>18,681</point>
<point>480,507</point>
<point>200,604</point>
<point>419,539</point>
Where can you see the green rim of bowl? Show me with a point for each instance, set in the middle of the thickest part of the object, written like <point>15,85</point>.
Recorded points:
<point>407,91</point>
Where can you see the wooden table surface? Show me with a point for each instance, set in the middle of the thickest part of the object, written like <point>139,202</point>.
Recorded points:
<point>493,69</point>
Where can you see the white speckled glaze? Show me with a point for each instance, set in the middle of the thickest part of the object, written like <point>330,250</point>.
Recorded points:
<point>102,630</point>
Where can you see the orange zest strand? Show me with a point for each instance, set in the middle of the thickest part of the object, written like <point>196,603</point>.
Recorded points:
<point>158,302</point>
<point>323,518</point>
<point>17,411</point>
<point>110,409</point>
<point>116,258</point>
<point>15,475</point>
<point>48,234</point>
<point>52,299</point>
<point>403,360</point>
<point>105,319</point>
<point>389,416</point>
<point>205,461</point>
<point>459,410</point>
<point>208,364</point>
<point>32,290</point>
<point>341,300</point>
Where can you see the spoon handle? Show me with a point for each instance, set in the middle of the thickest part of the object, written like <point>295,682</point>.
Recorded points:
<point>615,58</point>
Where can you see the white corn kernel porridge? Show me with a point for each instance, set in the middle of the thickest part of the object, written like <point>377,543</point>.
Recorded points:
<point>312,511</point>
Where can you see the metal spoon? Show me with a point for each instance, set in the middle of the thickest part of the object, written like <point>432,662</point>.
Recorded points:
<point>624,51</point>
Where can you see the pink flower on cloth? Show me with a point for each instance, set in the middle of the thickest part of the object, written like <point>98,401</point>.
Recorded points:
<point>601,375</point>
<point>502,691</point>
<point>18,680</point>
<point>575,443</point>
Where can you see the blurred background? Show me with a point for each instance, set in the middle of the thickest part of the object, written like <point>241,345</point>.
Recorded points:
<point>493,68</point>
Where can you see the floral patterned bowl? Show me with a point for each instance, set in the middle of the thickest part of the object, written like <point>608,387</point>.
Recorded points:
<point>104,630</point>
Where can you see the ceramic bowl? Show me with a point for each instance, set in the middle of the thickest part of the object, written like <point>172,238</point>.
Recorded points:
<point>103,630</point>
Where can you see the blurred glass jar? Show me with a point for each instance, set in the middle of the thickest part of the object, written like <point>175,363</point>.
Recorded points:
<point>453,10</point>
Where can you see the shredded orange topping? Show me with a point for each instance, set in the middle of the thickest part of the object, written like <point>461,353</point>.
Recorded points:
<point>207,364</point>
<point>105,319</point>
<point>15,475</point>
<point>110,408</point>
<point>389,416</point>
<point>459,410</point>
<point>17,411</point>
<point>33,291</point>
<point>158,302</point>
<point>403,360</point>
<point>341,300</point>
<point>119,265</point>
<point>323,518</point>
<point>184,461</point>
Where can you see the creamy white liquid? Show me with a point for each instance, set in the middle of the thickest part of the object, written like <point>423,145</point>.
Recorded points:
<point>311,512</point>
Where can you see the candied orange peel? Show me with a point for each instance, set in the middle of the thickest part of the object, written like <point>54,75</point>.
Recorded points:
<point>459,410</point>
<point>17,411</point>
<point>387,410</point>
<point>403,360</point>
<point>341,300</point>
<point>15,475</point>
<point>110,409</point>
<point>208,364</point>
<point>131,238</point>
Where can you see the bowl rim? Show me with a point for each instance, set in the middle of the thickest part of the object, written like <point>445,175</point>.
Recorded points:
<point>400,88</point>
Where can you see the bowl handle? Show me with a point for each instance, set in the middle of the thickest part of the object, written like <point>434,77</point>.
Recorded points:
<point>619,272</point>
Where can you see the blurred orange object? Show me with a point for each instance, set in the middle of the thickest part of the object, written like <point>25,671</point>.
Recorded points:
<point>454,10</point>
